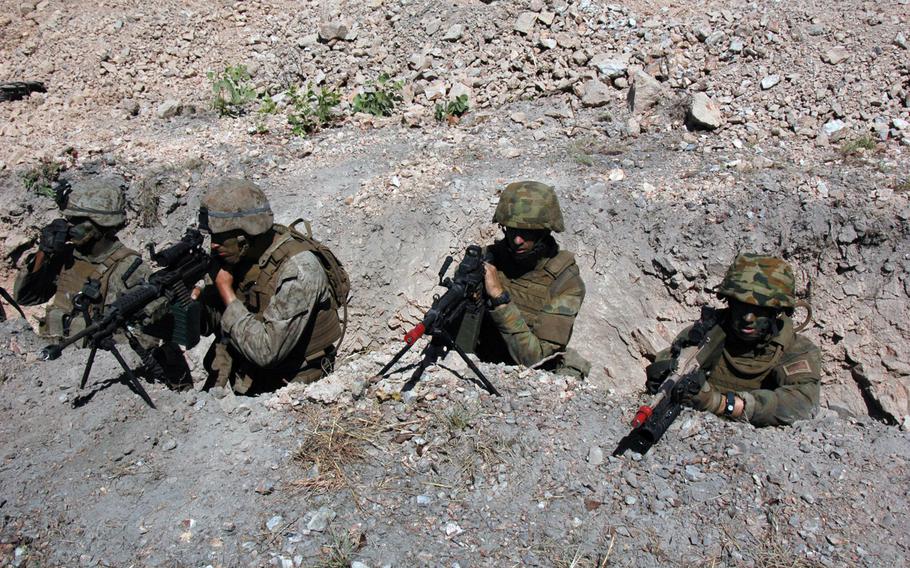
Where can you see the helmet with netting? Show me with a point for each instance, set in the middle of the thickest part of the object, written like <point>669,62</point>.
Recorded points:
<point>235,204</point>
<point>760,280</point>
<point>529,205</point>
<point>101,200</point>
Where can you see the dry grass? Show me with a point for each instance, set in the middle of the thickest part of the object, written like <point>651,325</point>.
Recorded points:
<point>573,554</point>
<point>333,441</point>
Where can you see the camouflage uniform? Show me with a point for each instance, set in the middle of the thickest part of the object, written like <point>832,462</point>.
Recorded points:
<point>545,298</point>
<point>63,275</point>
<point>284,323</point>
<point>778,378</point>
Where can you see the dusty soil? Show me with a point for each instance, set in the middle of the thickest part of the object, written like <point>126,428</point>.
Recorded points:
<point>812,167</point>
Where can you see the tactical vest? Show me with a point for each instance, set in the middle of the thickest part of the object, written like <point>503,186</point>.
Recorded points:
<point>749,373</point>
<point>535,289</point>
<point>59,316</point>
<point>304,363</point>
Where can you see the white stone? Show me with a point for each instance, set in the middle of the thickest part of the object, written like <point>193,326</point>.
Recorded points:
<point>608,66</point>
<point>525,22</point>
<point>833,126</point>
<point>769,82</point>
<point>435,90</point>
<point>454,33</point>
<point>168,108</point>
<point>899,123</point>
<point>616,174</point>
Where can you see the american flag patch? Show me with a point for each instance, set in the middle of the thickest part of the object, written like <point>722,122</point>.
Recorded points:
<point>797,367</point>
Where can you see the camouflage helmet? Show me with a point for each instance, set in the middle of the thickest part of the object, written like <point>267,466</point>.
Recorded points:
<point>99,200</point>
<point>760,280</point>
<point>529,205</point>
<point>231,204</point>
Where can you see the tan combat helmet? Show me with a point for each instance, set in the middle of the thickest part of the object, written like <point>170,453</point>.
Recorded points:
<point>761,281</point>
<point>99,200</point>
<point>529,205</point>
<point>231,204</point>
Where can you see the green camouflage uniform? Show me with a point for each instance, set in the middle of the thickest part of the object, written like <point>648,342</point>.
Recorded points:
<point>545,298</point>
<point>538,321</point>
<point>778,379</point>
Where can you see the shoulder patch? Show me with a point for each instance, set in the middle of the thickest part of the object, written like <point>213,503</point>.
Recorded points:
<point>794,368</point>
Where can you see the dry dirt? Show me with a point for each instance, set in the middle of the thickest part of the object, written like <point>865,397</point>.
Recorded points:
<point>812,167</point>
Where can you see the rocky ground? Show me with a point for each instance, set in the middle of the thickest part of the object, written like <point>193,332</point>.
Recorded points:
<point>675,135</point>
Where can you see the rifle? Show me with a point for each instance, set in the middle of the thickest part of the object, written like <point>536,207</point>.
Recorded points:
<point>703,347</point>
<point>183,264</point>
<point>463,302</point>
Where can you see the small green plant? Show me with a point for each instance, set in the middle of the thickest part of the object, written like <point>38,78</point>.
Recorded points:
<point>232,90</point>
<point>267,105</point>
<point>853,147</point>
<point>452,110</point>
<point>379,97</point>
<point>310,110</point>
<point>41,178</point>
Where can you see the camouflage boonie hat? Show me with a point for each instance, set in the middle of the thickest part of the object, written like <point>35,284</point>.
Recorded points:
<point>529,205</point>
<point>231,204</point>
<point>100,200</point>
<point>760,280</point>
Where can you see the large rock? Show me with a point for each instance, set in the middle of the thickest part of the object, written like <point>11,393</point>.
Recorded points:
<point>454,33</point>
<point>704,114</point>
<point>835,55</point>
<point>644,92</point>
<point>169,108</point>
<point>333,30</point>
<point>594,93</point>
<point>525,23</point>
<point>609,66</point>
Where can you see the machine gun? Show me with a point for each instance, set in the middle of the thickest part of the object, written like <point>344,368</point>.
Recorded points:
<point>702,350</point>
<point>462,303</point>
<point>183,264</point>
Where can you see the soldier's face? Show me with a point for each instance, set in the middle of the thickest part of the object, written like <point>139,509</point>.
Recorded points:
<point>82,232</point>
<point>522,241</point>
<point>229,247</point>
<point>752,323</point>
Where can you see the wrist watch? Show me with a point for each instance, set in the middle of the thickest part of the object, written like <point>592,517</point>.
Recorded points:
<point>730,404</point>
<point>500,300</point>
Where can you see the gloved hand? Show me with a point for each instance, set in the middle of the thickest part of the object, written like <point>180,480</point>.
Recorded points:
<point>656,373</point>
<point>54,236</point>
<point>706,399</point>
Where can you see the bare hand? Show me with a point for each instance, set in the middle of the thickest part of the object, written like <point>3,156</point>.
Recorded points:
<point>491,281</point>
<point>224,282</point>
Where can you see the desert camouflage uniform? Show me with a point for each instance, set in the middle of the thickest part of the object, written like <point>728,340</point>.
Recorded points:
<point>538,321</point>
<point>284,324</point>
<point>63,275</point>
<point>779,379</point>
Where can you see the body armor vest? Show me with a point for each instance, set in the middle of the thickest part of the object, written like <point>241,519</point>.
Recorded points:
<point>259,285</point>
<point>753,371</point>
<point>59,320</point>
<point>535,289</point>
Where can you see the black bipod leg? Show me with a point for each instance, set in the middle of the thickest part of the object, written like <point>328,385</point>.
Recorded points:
<point>394,360</point>
<point>486,383</point>
<point>88,366</point>
<point>435,349</point>
<point>131,377</point>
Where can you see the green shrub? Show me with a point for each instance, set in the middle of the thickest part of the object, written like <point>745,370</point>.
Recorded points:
<point>310,110</point>
<point>456,108</point>
<point>852,147</point>
<point>42,177</point>
<point>232,90</point>
<point>379,97</point>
